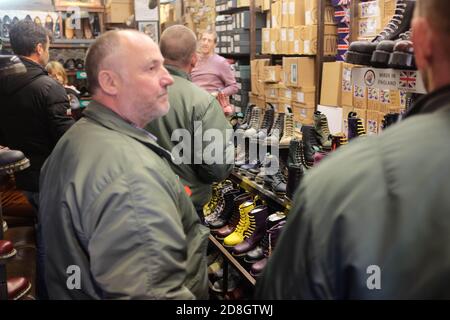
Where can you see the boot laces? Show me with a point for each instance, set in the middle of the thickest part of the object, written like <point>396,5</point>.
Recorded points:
<point>324,126</point>
<point>251,227</point>
<point>243,221</point>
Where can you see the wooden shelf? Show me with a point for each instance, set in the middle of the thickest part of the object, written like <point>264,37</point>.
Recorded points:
<point>267,195</point>
<point>233,10</point>
<point>230,259</point>
<point>61,43</point>
<point>86,8</point>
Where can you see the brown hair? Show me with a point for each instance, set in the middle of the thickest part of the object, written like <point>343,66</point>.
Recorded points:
<point>54,67</point>
<point>178,43</point>
<point>213,33</point>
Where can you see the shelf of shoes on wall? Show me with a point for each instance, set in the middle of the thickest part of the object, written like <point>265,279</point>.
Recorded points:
<point>301,37</point>
<point>69,30</point>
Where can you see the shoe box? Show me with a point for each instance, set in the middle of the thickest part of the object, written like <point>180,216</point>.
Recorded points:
<point>118,11</point>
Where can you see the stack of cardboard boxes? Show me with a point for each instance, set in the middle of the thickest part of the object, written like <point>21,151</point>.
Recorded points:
<point>290,88</point>
<point>293,30</point>
<point>370,104</point>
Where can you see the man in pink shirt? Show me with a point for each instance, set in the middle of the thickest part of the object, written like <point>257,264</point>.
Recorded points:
<point>212,72</point>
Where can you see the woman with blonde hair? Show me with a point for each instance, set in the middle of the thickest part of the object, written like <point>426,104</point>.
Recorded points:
<point>56,70</point>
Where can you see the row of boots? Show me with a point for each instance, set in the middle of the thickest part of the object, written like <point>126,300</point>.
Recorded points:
<point>242,222</point>
<point>84,28</point>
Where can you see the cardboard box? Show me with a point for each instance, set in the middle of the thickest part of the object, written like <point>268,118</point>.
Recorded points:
<point>284,13</point>
<point>369,27</point>
<point>296,13</point>
<point>272,74</point>
<point>305,95</point>
<point>345,111</point>
<point>286,93</point>
<point>290,32</point>
<point>271,91</point>
<point>252,98</point>
<point>395,99</point>
<point>276,14</point>
<point>275,40</point>
<point>265,40</point>
<point>331,84</point>
<point>373,99</point>
<point>385,101</point>
<point>118,11</point>
<point>299,71</point>
<point>359,97</point>
<point>308,34</point>
<point>265,5</point>
<point>257,73</point>
<point>284,43</point>
<point>311,13</point>
<point>303,113</point>
<point>347,86</point>
<point>372,123</point>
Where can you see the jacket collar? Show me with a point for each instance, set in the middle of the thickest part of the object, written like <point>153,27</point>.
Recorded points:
<point>111,120</point>
<point>177,72</point>
<point>31,64</point>
<point>430,102</point>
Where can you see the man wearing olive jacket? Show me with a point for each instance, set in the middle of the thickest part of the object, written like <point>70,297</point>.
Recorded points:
<point>116,221</point>
<point>195,110</point>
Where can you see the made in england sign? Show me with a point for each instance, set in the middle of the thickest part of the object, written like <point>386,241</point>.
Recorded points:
<point>389,79</point>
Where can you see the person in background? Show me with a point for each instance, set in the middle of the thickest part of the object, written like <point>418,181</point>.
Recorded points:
<point>212,72</point>
<point>372,221</point>
<point>110,203</point>
<point>33,116</point>
<point>56,70</point>
<point>192,109</point>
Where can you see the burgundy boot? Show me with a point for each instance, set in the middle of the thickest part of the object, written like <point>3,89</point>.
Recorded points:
<point>255,233</point>
<point>272,236</point>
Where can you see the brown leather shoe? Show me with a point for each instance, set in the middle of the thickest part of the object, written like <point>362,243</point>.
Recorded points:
<point>68,28</point>
<point>6,250</point>
<point>18,287</point>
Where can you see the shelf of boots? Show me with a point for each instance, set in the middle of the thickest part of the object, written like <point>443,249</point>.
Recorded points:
<point>234,262</point>
<point>61,43</point>
<point>267,195</point>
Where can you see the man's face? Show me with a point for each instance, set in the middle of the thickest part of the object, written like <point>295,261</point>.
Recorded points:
<point>207,43</point>
<point>143,87</point>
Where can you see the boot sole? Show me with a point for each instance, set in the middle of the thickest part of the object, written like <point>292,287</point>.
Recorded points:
<point>402,61</point>
<point>15,167</point>
<point>380,59</point>
<point>358,58</point>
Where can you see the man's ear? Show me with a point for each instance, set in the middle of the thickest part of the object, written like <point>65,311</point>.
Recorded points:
<point>109,82</point>
<point>422,40</point>
<point>39,49</point>
<point>194,60</point>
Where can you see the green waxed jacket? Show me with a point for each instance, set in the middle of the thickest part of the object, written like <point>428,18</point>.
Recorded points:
<point>111,206</point>
<point>193,109</point>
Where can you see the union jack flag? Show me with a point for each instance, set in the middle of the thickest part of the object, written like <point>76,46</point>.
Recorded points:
<point>342,15</point>
<point>408,79</point>
<point>340,2</point>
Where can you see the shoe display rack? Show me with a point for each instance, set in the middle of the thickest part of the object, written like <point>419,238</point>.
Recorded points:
<point>280,203</point>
